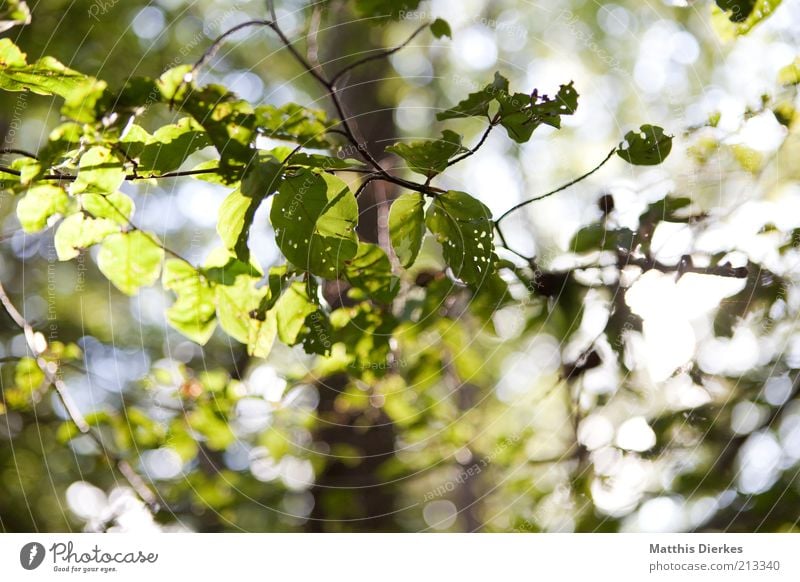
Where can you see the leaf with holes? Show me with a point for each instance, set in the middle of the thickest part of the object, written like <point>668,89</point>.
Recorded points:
<point>315,217</point>
<point>464,228</point>
<point>522,114</point>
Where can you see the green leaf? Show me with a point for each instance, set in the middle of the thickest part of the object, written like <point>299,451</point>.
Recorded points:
<point>46,76</point>
<point>28,376</point>
<point>291,311</point>
<point>738,10</point>
<point>238,301</point>
<point>116,206</point>
<point>430,157</point>
<point>440,28</point>
<point>589,238</point>
<point>380,10</point>
<point>477,104</point>
<point>371,273</point>
<point>14,13</point>
<point>315,217</point>
<point>519,113</point>
<point>78,231</point>
<point>171,81</point>
<point>167,148</point>
<point>649,146</point>
<point>40,204</point>
<point>317,334</point>
<point>194,311</point>
<point>236,213</point>
<point>407,227</point>
<point>99,171</point>
<point>313,160</point>
<point>732,18</point>
<point>522,114</point>
<point>228,121</point>
<point>293,122</point>
<point>464,228</point>
<point>130,260</point>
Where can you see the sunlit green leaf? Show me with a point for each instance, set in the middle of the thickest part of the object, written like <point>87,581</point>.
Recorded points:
<point>39,204</point>
<point>790,74</point>
<point>293,122</point>
<point>46,76</point>
<point>116,206</point>
<point>291,311</point>
<point>193,312</point>
<point>99,171</point>
<point>236,213</point>
<point>79,231</point>
<point>167,148</point>
<point>130,260</point>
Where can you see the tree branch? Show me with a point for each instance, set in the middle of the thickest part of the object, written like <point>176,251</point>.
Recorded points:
<point>381,55</point>
<point>19,153</point>
<point>559,189</point>
<point>495,120</point>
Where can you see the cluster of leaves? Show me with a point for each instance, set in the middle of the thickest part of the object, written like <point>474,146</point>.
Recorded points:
<point>74,181</point>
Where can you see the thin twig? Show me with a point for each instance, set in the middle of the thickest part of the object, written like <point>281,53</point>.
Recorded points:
<point>557,190</point>
<point>129,177</point>
<point>19,153</point>
<point>381,55</point>
<point>212,50</point>
<point>480,143</point>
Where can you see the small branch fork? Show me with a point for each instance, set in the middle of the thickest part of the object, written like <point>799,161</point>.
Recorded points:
<point>38,345</point>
